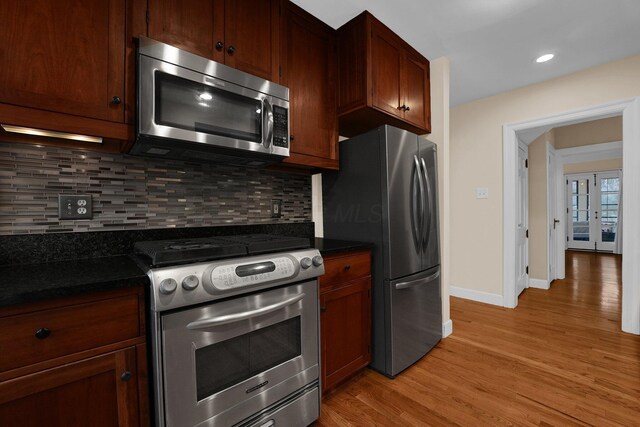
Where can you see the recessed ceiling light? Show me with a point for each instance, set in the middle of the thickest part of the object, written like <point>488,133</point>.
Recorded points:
<point>544,58</point>
<point>205,96</point>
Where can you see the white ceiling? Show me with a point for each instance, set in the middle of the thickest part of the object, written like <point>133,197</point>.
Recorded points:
<point>492,44</point>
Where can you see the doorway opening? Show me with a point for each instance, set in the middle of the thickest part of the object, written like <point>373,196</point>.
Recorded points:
<point>528,131</point>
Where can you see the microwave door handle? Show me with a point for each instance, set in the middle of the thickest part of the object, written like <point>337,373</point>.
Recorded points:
<point>267,123</point>
<point>244,315</point>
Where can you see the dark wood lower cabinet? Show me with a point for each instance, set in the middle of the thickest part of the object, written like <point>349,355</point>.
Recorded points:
<point>102,384</point>
<point>345,317</point>
<point>101,391</point>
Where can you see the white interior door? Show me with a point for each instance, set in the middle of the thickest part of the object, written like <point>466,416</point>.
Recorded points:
<point>592,214</point>
<point>553,220</point>
<point>522,267</point>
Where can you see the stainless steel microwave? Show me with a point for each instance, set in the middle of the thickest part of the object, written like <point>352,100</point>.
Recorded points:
<point>193,108</point>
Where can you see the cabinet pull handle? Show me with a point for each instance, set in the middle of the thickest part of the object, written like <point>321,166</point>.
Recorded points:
<point>400,107</point>
<point>42,333</point>
<point>231,50</point>
<point>407,108</point>
<point>126,376</point>
<point>347,267</point>
<point>291,138</point>
<point>219,45</point>
<point>323,309</point>
<point>116,100</point>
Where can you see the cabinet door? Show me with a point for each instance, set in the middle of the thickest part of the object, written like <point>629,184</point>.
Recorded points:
<point>416,91</point>
<point>386,67</point>
<point>194,25</point>
<point>92,392</point>
<point>252,36</point>
<point>65,56</point>
<point>310,73</point>
<point>345,325</point>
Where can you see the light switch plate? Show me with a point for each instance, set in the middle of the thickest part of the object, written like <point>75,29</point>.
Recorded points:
<point>482,193</point>
<point>75,206</point>
<point>276,208</point>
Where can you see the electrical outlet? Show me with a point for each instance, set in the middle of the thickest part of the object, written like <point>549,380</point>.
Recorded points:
<point>75,207</point>
<point>276,208</point>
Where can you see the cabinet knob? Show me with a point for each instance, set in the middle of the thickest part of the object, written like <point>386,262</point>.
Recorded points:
<point>407,108</point>
<point>116,100</point>
<point>323,309</point>
<point>42,333</point>
<point>219,45</point>
<point>126,376</point>
<point>231,50</point>
<point>400,107</point>
<point>291,138</point>
<point>347,267</point>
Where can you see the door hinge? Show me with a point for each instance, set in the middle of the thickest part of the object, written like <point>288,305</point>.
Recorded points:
<point>567,210</point>
<point>567,238</point>
<point>526,163</point>
<point>567,182</point>
<point>595,180</point>
<point>527,234</point>
<point>527,269</point>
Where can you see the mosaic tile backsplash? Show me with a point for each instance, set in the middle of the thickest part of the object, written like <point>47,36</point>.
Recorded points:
<point>139,193</point>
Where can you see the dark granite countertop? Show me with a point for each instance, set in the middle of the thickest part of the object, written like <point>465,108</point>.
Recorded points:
<point>331,246</point>
<point>36,282</point>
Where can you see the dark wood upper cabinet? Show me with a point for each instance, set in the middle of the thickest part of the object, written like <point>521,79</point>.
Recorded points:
<point>382,80</point>
<point>64,69</point>
<point>243,34</point>
<point>309,70</point>
<point>194,25</point>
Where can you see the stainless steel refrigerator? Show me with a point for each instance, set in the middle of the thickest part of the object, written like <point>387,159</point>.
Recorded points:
<point>386,193</point>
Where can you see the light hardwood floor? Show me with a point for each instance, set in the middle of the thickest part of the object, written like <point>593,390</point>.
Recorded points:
<point>558,359</point>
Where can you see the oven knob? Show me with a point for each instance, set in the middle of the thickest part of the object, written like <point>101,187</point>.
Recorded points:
<point>317,260</point>
<point>189,283</point>
<point>305,263</point>
<point>168,286</point>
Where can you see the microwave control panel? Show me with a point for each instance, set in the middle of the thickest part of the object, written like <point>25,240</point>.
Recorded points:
<point>280,127</point>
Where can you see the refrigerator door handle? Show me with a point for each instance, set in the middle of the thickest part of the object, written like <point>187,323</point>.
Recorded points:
<point>405,285</point>
<point>427,232</point>
<point>419,222</point>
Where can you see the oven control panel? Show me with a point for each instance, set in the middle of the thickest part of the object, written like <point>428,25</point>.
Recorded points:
<point>230,276</point>
<point>181,286</point>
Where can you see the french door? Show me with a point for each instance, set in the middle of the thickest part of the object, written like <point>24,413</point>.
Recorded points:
<point>592,210</point>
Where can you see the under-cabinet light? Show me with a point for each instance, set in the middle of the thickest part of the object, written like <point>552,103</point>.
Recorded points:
<point>51,134</point>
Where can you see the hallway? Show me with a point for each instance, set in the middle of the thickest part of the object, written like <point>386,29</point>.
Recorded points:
<point>560,358</point>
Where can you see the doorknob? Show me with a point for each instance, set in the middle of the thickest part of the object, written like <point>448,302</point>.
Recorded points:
<point>555,221</point>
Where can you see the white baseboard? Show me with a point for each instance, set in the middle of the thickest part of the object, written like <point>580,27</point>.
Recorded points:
<point>447,328</point>
<point>539,283</point>
<point>485,297</point>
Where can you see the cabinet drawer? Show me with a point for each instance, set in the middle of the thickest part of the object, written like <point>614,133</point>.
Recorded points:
<point>346,267</point>
<point>41,335</point>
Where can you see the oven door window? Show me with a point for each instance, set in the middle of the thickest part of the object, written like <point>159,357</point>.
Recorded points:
<point>189,105</point>
<point>221,365</point>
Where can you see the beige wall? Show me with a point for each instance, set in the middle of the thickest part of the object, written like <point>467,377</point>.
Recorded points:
<point>593,132</point>
<point>476,160</point>
<point>440,135</point>
<point>538,236</point>
<point>595,166</point>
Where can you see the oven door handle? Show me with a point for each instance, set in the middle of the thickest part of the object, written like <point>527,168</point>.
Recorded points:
<point>236,317</point>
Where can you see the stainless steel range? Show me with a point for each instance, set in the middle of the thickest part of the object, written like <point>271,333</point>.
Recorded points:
<point>234,330</point>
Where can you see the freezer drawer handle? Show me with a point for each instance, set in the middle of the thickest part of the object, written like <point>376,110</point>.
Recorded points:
<point>405,285</point>
<point>236,317</point>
